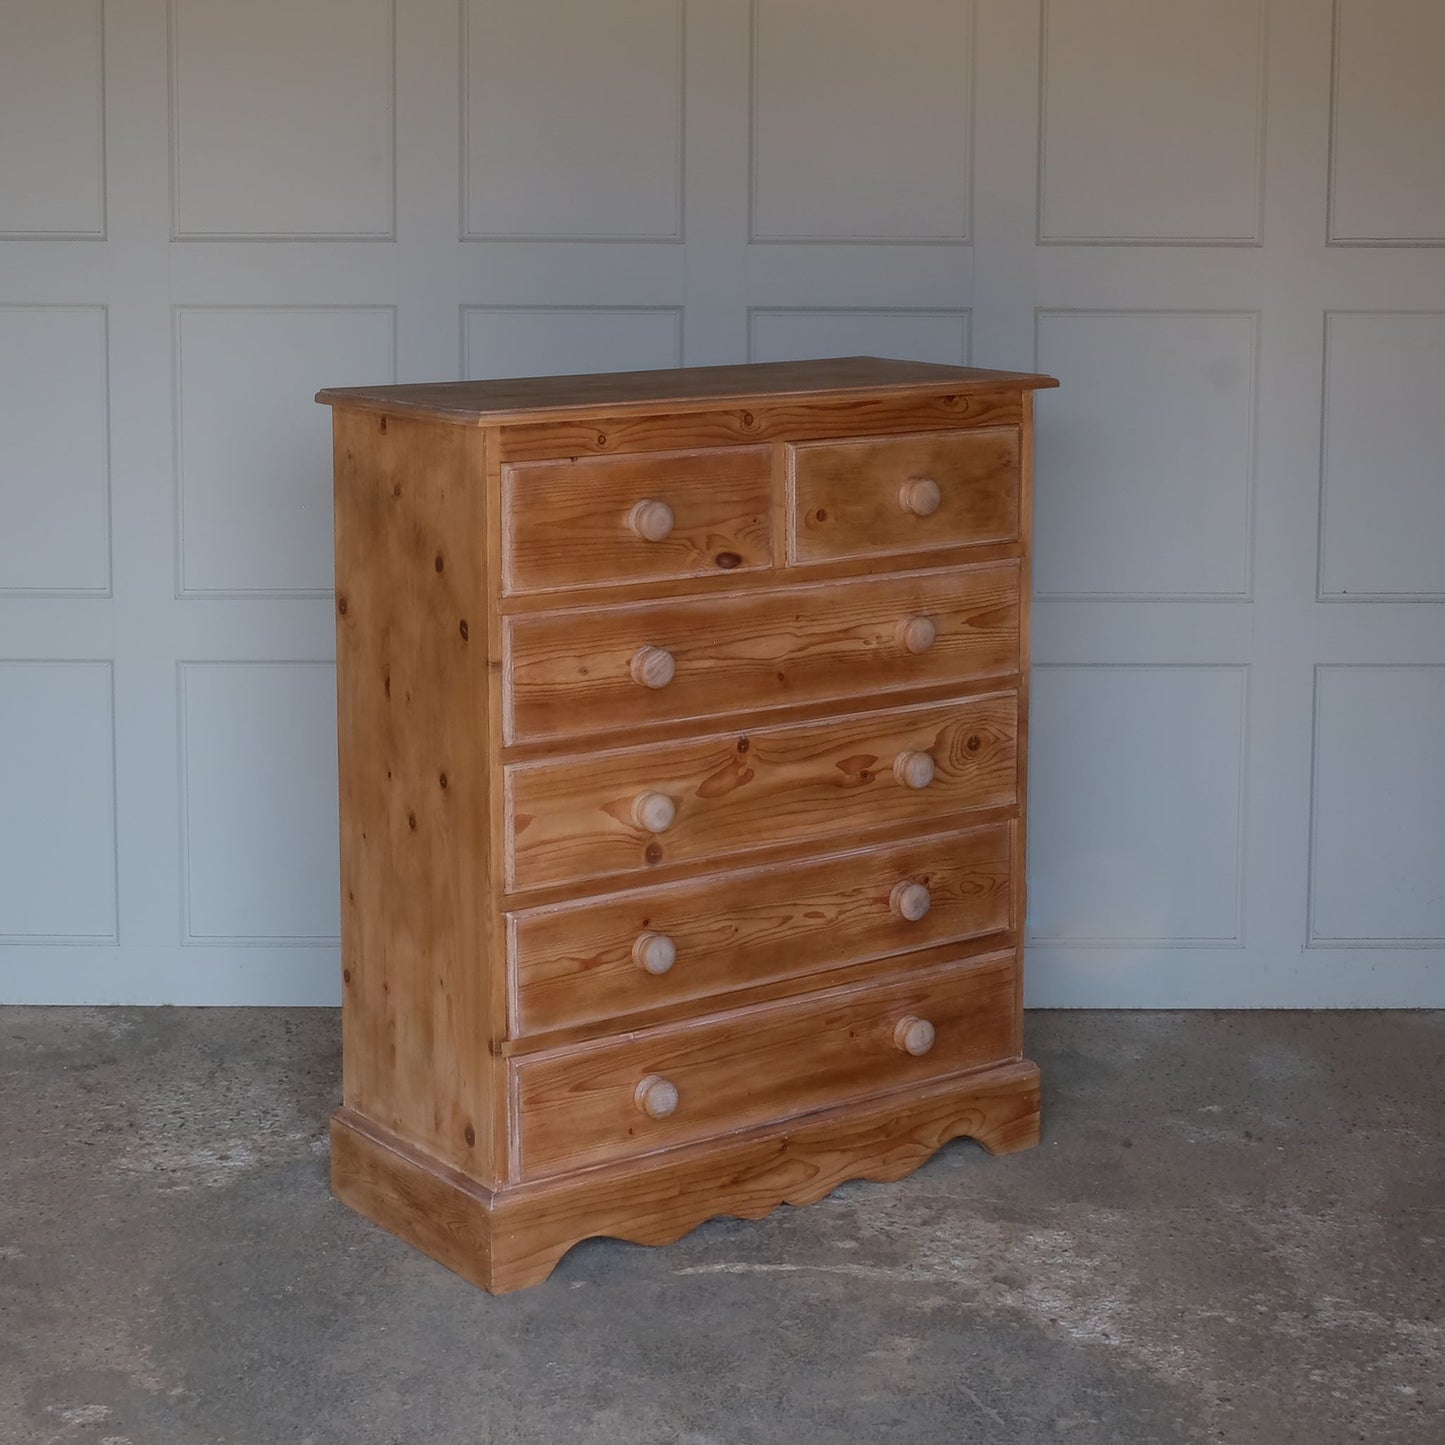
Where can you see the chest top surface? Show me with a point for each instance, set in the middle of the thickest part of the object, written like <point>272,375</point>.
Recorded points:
<point>490,403</point>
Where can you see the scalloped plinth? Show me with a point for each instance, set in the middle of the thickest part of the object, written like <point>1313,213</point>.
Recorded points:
<point>510,1238</point>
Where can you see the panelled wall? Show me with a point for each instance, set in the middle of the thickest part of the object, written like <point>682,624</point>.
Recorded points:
<point>1221,223</point>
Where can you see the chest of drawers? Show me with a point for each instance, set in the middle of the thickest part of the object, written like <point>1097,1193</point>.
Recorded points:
<point>682,744</point>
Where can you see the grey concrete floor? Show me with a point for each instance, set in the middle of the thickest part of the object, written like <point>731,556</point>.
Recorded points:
<point>1232,1232</point>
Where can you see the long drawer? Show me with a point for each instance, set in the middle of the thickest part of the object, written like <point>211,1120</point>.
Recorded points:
<point>573,673</point>
<point>664,1087</point>
<point>872,496</point>
<point>633,810</point>
<point>584,963</point>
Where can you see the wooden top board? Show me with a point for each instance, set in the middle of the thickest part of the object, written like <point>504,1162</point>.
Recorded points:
<point>534,398</point>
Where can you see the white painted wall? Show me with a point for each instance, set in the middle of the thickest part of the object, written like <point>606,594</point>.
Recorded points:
<point>1220,222</point>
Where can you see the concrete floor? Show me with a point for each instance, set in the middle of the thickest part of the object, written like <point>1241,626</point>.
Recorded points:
<point>1232,1232</point>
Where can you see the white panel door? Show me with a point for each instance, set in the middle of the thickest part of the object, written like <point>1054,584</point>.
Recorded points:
<point>1221,223</point>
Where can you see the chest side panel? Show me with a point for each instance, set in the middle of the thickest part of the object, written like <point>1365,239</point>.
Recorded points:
<point>411,614</point>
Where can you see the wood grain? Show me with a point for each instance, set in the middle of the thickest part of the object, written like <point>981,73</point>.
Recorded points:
<point>576,1105</point>
<point>760,420</point>
<point>739,583</point>
<point>573,820</point>
<point>812,968</point>
<point>571,673</point>
<point>513,1238</point>
<point>566,522</point>
<point>575,964</point>
<point>847,498</point>
<point>1026,588</point>
<point>480,403</point>
<point>412,702</point>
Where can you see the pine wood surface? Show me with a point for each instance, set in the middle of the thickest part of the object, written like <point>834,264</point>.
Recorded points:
<point>569,672</point>
<point>414,785</point>
<point>566,522</point>
<point>483,402</point>
<point>850,498</point>
<point>668,847</point>
<point>511,1239</point>
<point>576,1106</point>
<point>574,964</point>
<point>573,819</point>
<point>759,420</point>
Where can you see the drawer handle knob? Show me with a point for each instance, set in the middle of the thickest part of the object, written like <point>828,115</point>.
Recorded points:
<point>913,770</point>
<point>653,811</point>
<point>657,1097</point>
<point>916,634</point>
<point>921,496</point>
<point>910,900</point>
<point>913,1035</point>
<point>654,953</point>
<point>653,667</point>
<point>651,520</point>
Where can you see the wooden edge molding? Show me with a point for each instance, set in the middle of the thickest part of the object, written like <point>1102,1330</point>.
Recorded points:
<point>513,1237</point>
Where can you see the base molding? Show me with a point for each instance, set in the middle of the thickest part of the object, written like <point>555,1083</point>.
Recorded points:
<point>511,1237</point>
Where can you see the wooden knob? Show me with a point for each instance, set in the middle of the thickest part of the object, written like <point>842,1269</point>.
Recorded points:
<point>654,812</point>
<point>910,900</point>
<point>657,1097</point>
<point>915,634</point>
<point>912,1034</point>
<point>652,520</point>
<point>913,770</point>
<point>655,953</point>
<point>652,667</point>
<point>920,496</point>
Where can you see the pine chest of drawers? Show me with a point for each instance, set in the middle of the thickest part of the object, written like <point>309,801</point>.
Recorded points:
<point>682,731</point>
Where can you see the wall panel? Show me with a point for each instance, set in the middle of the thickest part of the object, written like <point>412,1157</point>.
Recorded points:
<point>573,120</point>
<point>1152,128</point>
<point>1384,189</point>
<point>258,802</point>
<point>55,463</point>
<point>1146,455</point>
<point>282,118</point>
<point>1377,857</point>
<point>57,777</point>
<point>52,85</point>
<point>845,89</point>
<point>1382,477</point>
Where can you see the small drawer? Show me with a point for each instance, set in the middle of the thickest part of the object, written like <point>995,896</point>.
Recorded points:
<point>595,521</point>
<point>612,668</point>
<point>631,811</point>
<point>872,496</point>
<point>669,1086</point>
<point>578,964</point>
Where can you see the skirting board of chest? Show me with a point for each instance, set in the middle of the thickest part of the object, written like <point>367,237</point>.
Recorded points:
<point>683,729</point>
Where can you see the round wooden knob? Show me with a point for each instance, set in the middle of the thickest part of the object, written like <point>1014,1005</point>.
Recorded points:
<point>910,900</point>
<point>657,1097</point>
<point>652,520</point>
<point>921,496</point>
<point>912,1034</point>
<point>653,811</point>
<point>655,953</point>
<point>916,634</point>
<point>913,770</point>
<point>653,667</point>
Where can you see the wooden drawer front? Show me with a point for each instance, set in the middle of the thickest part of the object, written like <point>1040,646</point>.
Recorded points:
<point>581,1106</point>
<point>853,498</point>
<point>572,524</point>
<point>587,817</point>
<point>584,963</point>
<point>570,673</point>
